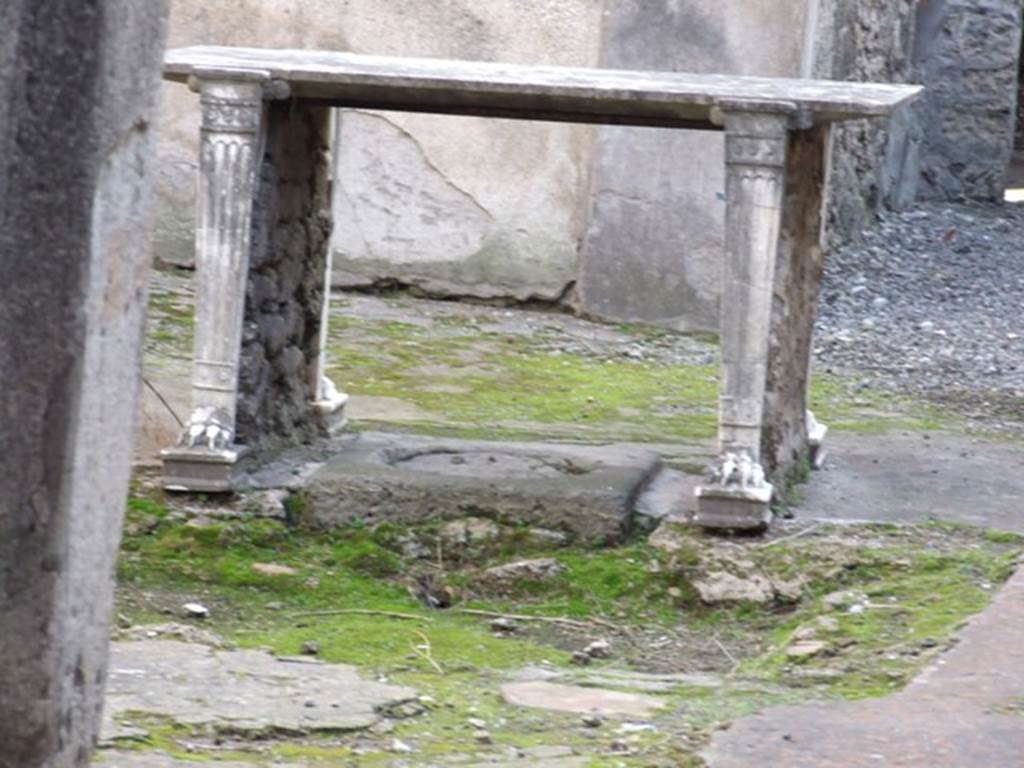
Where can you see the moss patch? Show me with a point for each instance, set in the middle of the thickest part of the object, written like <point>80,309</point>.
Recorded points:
<point>466,381</point>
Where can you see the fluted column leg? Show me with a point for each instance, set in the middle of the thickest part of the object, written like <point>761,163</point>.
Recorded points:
<point>737,494</point>
<point>232,136</point>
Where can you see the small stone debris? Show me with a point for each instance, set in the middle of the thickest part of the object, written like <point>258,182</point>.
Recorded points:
<point>195,611</point>
<point>942,320</point>
<point>718,587</point>
<point>592,721</point>
<point>581,700</point>
<point>599,649</point>
<point>477,723</point>
<point>399,747</point>
<point>805,633</point>
<point>504,626</point>
<point>273,569</point>
<point>186,633</point>
<point>581,658</point>
<point>844,599</point>
<point>407,710</point>
<point>827,623</point>
<point>805,649</point>
<point>540,569</point>
<point>311,648</point>
<point>483,737</point>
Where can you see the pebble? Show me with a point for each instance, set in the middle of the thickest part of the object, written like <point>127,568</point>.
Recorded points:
<point>483,737</point>
<point>806,648</point>
<point>195,611</point>
<point>599,649</point>
<point>504,626</point>
<point>400,747</point>
<point>883,298</point>
<point>581,658</point>
<point>311,648</point>
<point>592,721</point>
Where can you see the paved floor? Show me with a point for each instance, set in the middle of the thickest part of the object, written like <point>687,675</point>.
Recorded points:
<point>909,477</point>
<point>966,711</point>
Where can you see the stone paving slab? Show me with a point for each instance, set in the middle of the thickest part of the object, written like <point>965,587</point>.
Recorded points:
<point>247,691</point>
<point>558,697</point>
<point>914,476</point>
<point>158,760</point>
<point>589,491</point>
<point>964,711</point>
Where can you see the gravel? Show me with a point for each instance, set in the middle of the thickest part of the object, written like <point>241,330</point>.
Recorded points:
<point>931,302</point>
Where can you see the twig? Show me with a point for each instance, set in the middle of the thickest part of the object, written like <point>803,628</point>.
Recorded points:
<point>796,535</point>
<point>160,397</point>
<point>361,612</point>
<point>729,656</point>
<point>588,624</point>
<point>424,652</point>
<point>725,650</point>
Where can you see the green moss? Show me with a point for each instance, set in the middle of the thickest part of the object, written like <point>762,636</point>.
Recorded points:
<point>486,385</point>
<point>170,323</point>
<point>844,406</point>
<point>925,593</point>
<point>915,602</point>
<point>491,382</point>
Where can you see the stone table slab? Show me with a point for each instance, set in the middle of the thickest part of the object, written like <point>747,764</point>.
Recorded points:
<point>586,491</point>
<point>529,91</point>
<point>965,711</point>
<point>247,691</point>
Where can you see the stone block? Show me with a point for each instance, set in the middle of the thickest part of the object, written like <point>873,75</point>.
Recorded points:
<point>587,492</point>
<point>733,509</point>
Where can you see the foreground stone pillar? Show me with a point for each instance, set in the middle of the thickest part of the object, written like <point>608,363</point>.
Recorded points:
<point>78,83</point>
<point>262,270</point>
<point>738,495</point>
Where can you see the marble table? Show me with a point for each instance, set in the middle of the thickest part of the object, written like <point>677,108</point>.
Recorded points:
<point>263,262</point>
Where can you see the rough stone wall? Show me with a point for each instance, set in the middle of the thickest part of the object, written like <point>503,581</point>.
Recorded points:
<point>1018,143</point>
<point>77,83</point>
<point>874,163</point>
<point>966,52</point>
<point>284,296</point>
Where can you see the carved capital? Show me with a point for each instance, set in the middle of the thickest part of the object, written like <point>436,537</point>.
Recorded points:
<point>756,138</point>
<point>231,107</point>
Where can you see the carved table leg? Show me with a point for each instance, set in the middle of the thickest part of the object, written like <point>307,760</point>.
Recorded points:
<point>230,150</point>
<point>738,495</point>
